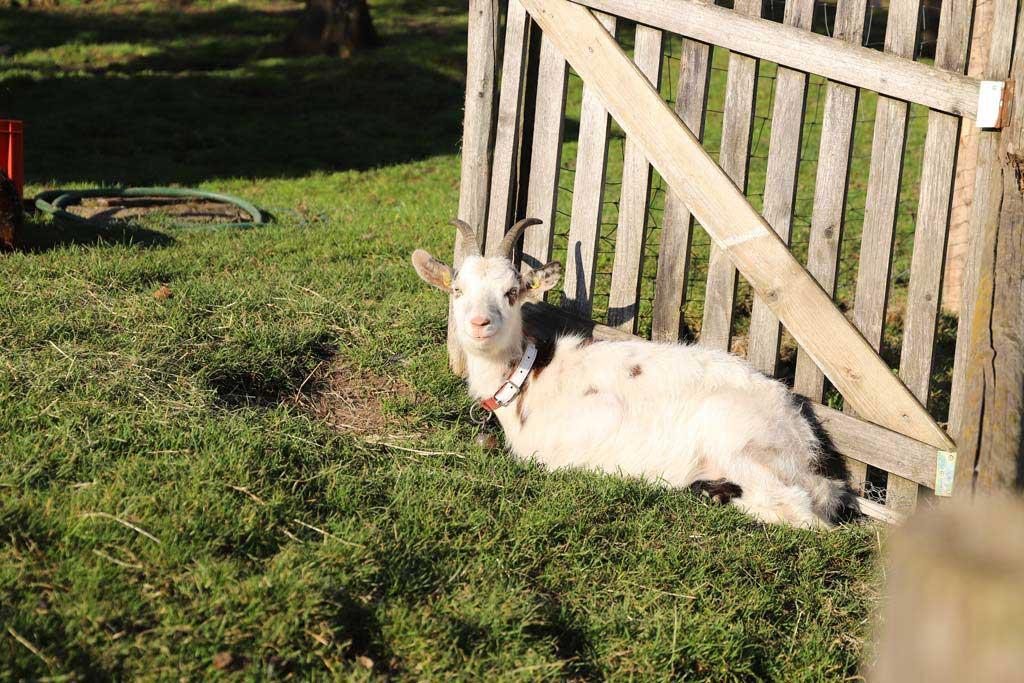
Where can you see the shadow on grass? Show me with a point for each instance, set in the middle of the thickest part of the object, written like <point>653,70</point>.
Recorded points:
<point>255,383</point>
<point>358,625</point>
<point>39,236</point>
<point>573,645</point>
<point>183,97</point>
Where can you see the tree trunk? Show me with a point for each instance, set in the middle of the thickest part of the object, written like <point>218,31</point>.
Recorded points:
<point>332,27</point>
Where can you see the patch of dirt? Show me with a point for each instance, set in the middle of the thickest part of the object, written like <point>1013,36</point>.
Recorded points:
<point>351,399</point>
<point>190,210</point>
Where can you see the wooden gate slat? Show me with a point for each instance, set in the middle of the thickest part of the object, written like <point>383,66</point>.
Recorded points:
<point>500,211</point>
<point>587,199</point>
<point>828,213</point>
<point>927,262</point>
<point>780,184</point>
<point>865,442</point>
<point>733,157</point>
<point>477,130</point>
<point>623,299</point>
<point>884,176</point>
<point>677,221</point>
<point>807,312</point>
<point>765,39</point>
<point>875,262</point>
<point>546,154</point>
<point>882,203</point>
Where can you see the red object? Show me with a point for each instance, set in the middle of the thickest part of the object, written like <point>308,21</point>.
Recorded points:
<point>12,153</point>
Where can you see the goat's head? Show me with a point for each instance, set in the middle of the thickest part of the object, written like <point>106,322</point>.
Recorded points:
<point>488,292</point>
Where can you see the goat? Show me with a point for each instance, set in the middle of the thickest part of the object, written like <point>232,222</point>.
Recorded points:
<point>682,414</point>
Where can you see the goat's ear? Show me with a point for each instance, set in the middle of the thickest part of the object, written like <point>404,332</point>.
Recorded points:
<point>432,271</point>
<point>536,282</point>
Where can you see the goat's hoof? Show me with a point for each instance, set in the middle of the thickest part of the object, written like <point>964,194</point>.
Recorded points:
<point>719,491</point>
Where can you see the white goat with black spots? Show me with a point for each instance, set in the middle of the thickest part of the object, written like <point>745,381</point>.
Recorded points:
<point>681,414</point>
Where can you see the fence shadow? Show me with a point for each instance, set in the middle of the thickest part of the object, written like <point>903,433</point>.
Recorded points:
<point>160,96</point>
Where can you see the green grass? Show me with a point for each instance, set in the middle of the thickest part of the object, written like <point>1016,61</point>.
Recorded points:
<point>255,528</point>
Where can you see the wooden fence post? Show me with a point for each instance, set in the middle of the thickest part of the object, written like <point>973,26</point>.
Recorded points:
<point>477,134</point>
<point>988,398</point>
<point>966,161</point>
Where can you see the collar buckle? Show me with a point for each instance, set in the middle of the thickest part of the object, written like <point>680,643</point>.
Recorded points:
<point>506,394</point>
<point>510,389</point>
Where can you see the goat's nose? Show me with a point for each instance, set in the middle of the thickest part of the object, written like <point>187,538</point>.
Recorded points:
<point>480,321</point>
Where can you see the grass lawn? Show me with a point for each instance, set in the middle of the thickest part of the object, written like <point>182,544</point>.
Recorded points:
<point>271,471</point>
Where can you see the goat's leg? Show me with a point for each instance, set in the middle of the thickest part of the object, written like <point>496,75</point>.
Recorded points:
<point>781,505</point>
<point>767,497</point>
<point>719,491</point>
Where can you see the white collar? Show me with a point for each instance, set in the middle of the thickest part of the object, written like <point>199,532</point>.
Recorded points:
<point>508,391</point>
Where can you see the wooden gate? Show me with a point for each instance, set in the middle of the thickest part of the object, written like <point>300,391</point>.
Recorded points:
<point>512,152</point>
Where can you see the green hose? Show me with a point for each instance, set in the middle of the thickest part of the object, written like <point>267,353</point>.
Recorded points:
<point>55,202</point>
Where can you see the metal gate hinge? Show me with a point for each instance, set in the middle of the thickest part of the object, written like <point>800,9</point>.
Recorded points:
<point>994,104</point>
<point>945,469</point>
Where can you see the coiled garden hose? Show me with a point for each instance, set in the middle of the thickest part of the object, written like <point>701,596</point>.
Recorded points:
<point>55,202</point>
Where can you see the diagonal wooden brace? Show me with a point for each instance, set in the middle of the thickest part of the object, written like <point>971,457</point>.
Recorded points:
<point>845,357</point>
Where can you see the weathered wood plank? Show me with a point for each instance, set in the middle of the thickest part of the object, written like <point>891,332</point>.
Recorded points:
<point>804,308</point>
<point>1001,456</point>
<point>926,269</point>
<point>880,512</point>
<point>968,386</point>
<point>780,184</point>
<point>966,161</point>
<point>624,297</point>
<point>880,209</point>
<point>546,155</point>
<point>587,199</point>
<point>501,207</point>
<point>847,63</point>
<point>677,221</point>
<point>986,404</point>
<point>884,176</point>
<point>877,446</point>
<point>525,161</point>
<point>733,157</point>
<point>828,214</point>
<point>477,133</point>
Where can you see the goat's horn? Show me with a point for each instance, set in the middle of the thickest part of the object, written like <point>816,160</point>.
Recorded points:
<point>470,247</point>
<point>508,243</point>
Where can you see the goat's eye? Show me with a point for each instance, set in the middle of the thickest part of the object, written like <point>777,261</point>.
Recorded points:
<point>512,295</point>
